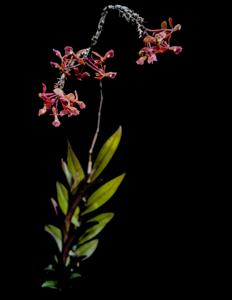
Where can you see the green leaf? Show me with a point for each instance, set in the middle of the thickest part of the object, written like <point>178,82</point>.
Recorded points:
<point>49,268</point>
<point>67,173</point>
<point>101,218</point>
<point>95,230</point>
<point>52,284</point>
<point>74,276</point>
<point>87,249</point>
<point>56,234</point>
<point>68,261</point>
<point>75,216</point>
<point>103,194</point>
<point>106,153</point>
<point>74,167</point>
<point>54,205</point>
<point>62,196</point>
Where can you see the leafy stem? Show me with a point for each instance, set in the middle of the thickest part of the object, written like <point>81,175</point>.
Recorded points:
<point>67,237</point>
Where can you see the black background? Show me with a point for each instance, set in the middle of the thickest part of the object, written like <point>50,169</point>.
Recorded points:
<point>155,244</point>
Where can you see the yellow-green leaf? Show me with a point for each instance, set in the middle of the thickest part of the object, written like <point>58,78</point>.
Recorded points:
<point>52,284</point>
<point>103,194</point>
<point>67,173</point>
<point>87,249</point>
<point>106,153</point>
<point>62,197</point>
<point>96,229</point>
<point>50,268</point>
<point>104,217</point>
<point>75,216</point>
<point>74,276</point>
<point>74,167</point>
<point>55,232</point>
<point>55,205</point>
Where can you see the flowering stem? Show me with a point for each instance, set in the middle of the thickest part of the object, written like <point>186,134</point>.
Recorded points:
<point>60,81</point>
<point>129,15</point>
<point>124,12</point>
<point>89,170</point>
<point>68,236</point>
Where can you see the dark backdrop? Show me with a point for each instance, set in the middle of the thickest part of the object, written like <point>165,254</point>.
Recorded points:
<point>155,243</point>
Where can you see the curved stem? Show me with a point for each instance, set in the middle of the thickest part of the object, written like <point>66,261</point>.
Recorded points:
<point>89,169</point>
<point>125,12</point>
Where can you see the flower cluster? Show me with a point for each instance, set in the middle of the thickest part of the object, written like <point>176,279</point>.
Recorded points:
<point>77,63</point>
<point>83,63</point>
<point>73,64</point>
<point>158,41</point>
<point>60,104</point>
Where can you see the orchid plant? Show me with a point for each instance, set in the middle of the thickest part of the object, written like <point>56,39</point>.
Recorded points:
<point>78,200</point>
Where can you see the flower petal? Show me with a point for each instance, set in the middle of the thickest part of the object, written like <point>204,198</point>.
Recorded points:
<point>111,75</point>
<point>57,53</point>
<point>177,27</point>
<point>44,87</point>
<point>141,60</point>
<point>68,50</point>
<point>109,54</point>
<point>81,104</point>
<point>56,122</point>
<point>58,92</point>
<point>54,65</point>
<point>176,49</point>
<point>42,111</point>
<point>152,58</point>
<point>170,21</point>
<point>164,25</point>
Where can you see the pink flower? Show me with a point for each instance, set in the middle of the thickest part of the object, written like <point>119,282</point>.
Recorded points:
<point>60,104</point>
<point>97,63</point>
<point>158,41</point>
<point>103,74</point>
<point>57,53</point>
<point>68,50</point>
<point>147,53</point>
<point>56,122</point>
<point>80,75</point>
<point>176,49</point>
<point>78,62</point>
<point>109,54</point>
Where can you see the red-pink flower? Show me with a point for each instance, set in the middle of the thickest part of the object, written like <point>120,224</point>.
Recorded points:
<point>101,59</point>
<point>97,63</point>
<point>80,75</point>
<point>79,61</point>
<point>60,104</point>
<point>158,41</point>
<point>146,53</point>
<point>176,49</point>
